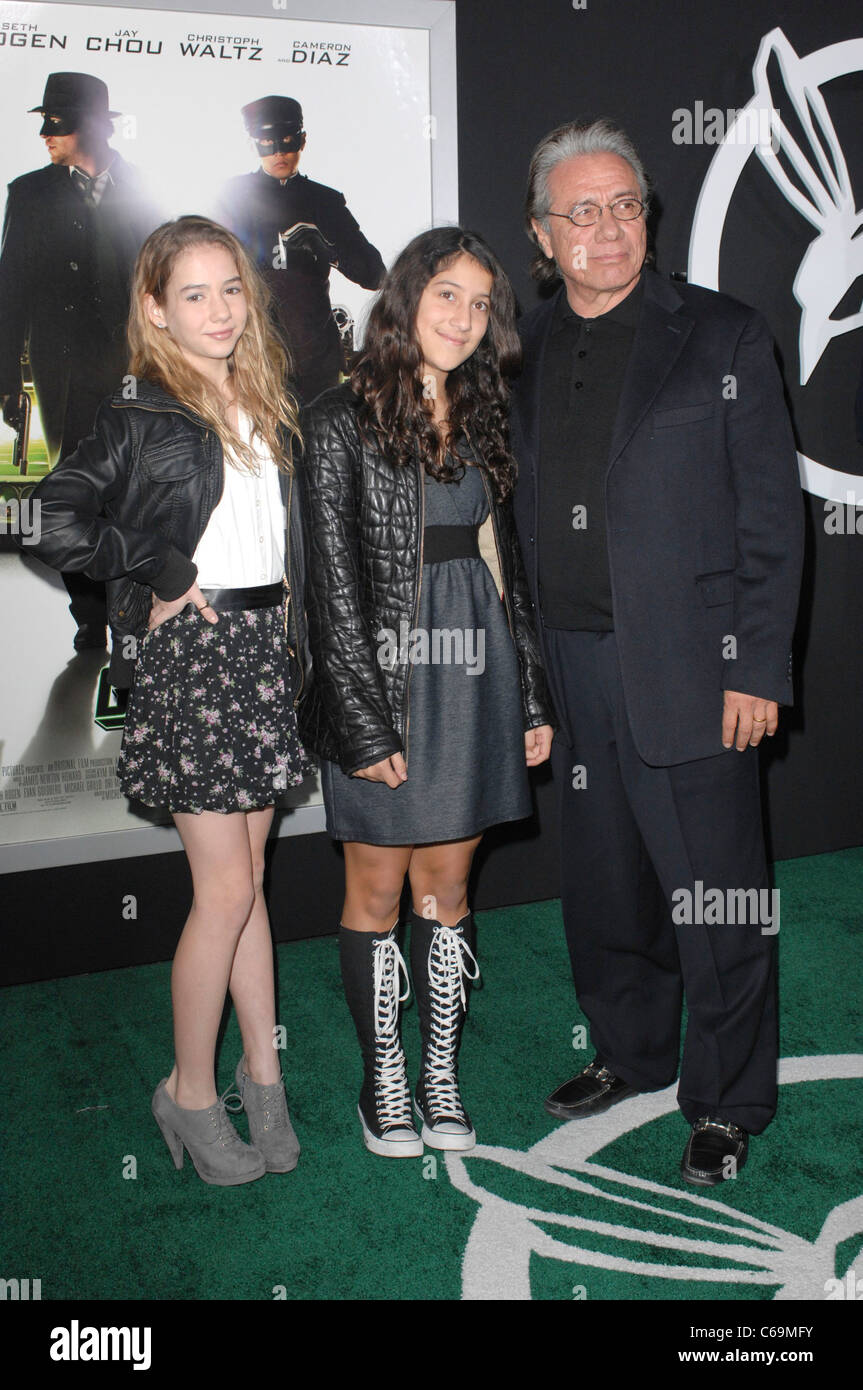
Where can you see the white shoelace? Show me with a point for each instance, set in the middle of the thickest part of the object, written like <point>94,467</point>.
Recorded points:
<point>392,1096</point>
<point>447,968</point>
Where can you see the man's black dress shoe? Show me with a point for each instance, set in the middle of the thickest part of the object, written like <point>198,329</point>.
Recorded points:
<point>595,1089</point>
<point>716,1150</point>
<point>90,637</point>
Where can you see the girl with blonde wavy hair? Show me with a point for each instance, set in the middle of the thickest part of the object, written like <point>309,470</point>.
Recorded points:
<point>183,500</point>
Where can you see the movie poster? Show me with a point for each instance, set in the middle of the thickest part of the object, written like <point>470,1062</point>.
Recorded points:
<point>175,85</point>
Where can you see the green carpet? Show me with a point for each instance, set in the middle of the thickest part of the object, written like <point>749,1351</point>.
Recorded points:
<point>82,1058</point>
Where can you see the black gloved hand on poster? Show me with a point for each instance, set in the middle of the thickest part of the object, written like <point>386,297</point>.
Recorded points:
<point>12,411</point>
<point>305,236</point>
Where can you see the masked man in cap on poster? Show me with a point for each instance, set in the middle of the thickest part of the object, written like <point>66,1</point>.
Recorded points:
<point>659,511</point>
<point>71,234</point>
<point>296,230</point>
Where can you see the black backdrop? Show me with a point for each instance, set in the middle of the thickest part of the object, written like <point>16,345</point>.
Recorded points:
<point>522,69</point>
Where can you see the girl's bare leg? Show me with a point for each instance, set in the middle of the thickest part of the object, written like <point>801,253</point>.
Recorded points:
<point>439,876</point>
<point>374,878</point>
<point>220,859</point>
<point>252,982</point>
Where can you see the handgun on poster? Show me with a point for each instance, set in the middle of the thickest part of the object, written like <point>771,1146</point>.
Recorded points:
<point>21,447</point>
<point>305,236</point>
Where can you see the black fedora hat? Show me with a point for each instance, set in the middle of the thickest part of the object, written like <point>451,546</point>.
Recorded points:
<point>75,91</point>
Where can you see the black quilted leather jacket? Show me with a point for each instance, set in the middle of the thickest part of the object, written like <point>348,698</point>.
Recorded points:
<point>364,520</point>
<point>130,505</point>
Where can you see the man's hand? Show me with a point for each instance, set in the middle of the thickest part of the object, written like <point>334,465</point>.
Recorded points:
<point>750,716</point>
<point>161,611</point>
<point>537,744</point>
<point>391,770</point>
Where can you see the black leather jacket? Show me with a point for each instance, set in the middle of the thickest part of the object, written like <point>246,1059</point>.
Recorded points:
<point>364,519</point>
<point>130,505</point>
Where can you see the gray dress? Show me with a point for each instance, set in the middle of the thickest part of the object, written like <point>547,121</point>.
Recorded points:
<point>465,737</point>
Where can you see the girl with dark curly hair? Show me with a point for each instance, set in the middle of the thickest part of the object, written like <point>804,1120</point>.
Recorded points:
<point>428,702</point>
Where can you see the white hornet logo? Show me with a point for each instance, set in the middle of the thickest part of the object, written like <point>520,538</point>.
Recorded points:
<point>813,177</point>
<point>834,260</point>
<point>732,1246</point>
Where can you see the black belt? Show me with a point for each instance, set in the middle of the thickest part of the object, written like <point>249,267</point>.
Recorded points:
<point>235,600</point>
<point>450,543</point>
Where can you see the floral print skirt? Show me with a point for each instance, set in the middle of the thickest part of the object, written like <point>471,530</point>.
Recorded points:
<point>210,724</point>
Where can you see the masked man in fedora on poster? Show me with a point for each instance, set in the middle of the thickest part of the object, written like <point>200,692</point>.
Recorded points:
<point>71,234</point>
<point>659,512</point>
<point>296,231</point>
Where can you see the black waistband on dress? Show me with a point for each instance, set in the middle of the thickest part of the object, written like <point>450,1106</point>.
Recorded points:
<point>236,600</point>
<point>442,543</point>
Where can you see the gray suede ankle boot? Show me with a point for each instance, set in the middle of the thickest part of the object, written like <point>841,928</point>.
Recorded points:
<point>270,1125</point>
<point>214,1146</point>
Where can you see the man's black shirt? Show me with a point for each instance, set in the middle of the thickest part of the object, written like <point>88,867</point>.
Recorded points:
<point>585,362</point>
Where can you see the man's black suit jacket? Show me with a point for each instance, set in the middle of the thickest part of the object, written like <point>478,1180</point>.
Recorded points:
<point>704,514</point>
<point>56,300</point>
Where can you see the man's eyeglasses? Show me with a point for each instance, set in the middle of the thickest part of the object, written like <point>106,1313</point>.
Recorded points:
<point>586,214</point>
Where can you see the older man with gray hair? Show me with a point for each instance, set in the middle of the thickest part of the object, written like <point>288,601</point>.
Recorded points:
<point>659,511</point>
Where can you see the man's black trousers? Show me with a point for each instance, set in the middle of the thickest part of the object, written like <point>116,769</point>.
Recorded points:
<point>88,604</point>
<point>636,843</point>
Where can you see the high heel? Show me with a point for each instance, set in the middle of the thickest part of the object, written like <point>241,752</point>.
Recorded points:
<point>174,1142</point>
<point>214,1146</point>
<point>269,1122</point>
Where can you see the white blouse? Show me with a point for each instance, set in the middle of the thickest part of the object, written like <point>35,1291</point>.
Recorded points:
<point>243,545</point>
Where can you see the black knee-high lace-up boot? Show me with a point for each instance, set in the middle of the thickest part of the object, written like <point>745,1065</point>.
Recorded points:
<point>442,965</point>
<point>372,971</point>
